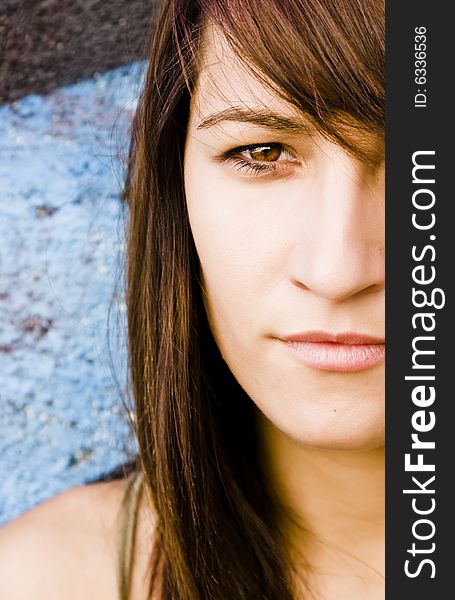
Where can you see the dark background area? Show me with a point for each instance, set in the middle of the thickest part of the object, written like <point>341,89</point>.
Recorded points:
<point>48,43</point>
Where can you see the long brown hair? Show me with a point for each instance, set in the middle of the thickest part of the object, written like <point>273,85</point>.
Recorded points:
<point>216,535</point>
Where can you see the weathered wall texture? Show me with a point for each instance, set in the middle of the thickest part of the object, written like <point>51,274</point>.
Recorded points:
<point>62,419</point>
<point>48,43</point>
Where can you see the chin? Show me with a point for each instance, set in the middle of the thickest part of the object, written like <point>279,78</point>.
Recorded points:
<point>334,427</point>
<point>341,441</point>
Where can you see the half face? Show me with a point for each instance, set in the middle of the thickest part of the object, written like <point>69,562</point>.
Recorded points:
<point>289,230</point>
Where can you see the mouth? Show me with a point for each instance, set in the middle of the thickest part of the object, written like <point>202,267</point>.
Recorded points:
<point>345,352</point>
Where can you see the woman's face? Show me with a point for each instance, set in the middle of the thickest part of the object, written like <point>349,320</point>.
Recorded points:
<point>289,230</point>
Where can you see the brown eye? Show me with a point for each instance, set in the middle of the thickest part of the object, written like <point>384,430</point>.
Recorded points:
<point>269,153</point>
<point>270,158</point>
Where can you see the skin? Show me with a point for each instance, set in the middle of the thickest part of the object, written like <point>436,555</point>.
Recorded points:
<point>297,246</point>
<point>294,249</point>
<point>67,548</point>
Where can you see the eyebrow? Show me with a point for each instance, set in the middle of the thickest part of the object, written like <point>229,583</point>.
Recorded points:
<point>259,117</point>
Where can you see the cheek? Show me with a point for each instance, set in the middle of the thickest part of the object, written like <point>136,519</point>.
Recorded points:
<point>236,262</point>
<point>243,232</point>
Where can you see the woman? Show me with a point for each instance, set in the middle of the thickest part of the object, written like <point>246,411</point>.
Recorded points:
<point>255,292</point>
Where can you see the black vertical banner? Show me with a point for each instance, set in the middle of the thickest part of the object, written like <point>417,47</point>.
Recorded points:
<point>420,332</point>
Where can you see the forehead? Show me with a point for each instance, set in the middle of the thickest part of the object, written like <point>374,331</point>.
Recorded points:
<point>224,80</point>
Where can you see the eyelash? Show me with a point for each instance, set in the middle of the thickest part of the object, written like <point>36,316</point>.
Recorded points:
<point>249,167</point>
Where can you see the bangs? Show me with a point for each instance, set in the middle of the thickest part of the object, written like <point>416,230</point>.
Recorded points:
<point>324,57</point>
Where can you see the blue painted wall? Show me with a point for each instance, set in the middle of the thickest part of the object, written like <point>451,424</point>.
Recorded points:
<point>62,418</point>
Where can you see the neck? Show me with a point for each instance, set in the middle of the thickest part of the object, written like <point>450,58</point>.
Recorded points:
<point>336,498</point>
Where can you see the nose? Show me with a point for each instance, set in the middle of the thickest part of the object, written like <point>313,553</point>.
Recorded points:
<point>340,253</point>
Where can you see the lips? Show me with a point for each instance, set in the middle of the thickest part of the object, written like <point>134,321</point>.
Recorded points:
<point>345,351</point>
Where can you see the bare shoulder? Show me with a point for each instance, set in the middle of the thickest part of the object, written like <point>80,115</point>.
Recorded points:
<point>64,548</point>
